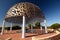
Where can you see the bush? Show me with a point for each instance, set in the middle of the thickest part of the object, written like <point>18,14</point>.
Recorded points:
<point>55,26</point>
<point>16,27</point>
<point>37,24</point>
<point>29,25</point>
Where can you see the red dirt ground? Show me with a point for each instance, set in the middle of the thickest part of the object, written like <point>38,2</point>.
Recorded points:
<point>17,36</point>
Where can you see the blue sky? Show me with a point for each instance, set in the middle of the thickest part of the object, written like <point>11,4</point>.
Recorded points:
<point>51,9</point>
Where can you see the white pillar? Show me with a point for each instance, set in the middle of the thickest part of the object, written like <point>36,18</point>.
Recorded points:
<point>41,27</point>
<point>31,28</point>
<point>46,31</point>
<point>11,27</point>
<point>23,28</point>
<point>3,27</point>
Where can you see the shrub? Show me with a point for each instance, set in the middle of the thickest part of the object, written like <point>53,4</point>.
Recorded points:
<point>55,26</point>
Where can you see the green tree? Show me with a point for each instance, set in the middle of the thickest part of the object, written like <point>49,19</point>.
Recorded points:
<point>0,29</point>
<point>29,25</point>
<point>37,24</point>
<point>55,26</point>
<point>15,27</point>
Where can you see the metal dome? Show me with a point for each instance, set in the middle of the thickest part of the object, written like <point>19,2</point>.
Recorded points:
<point>29,10</point>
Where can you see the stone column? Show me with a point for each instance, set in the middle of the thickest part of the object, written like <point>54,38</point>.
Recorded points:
<point>23,27</point>
<point>46,31</point>
<point>31,28</point>
<point>3,27</point>
<point>41,27</point>
<point>11,27</point>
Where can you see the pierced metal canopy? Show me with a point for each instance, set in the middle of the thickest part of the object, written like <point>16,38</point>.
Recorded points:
<point>29,10</point>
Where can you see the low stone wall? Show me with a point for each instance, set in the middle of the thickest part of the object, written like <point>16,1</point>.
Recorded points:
<point>9,38</point>
<point>53,37</point>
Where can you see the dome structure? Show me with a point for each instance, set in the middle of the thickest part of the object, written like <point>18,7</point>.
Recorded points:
<point>29,10</point>
<point>23,13</point>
